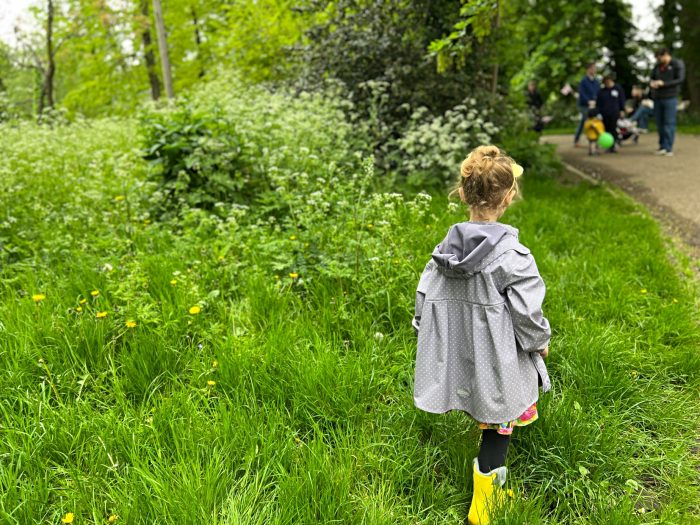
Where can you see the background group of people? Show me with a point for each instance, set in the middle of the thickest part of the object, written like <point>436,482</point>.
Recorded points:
<point>603,106</point>
<point>606,103</point>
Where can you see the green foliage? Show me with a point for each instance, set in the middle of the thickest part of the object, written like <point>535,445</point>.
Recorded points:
<point>478,18</point>
<point>377,50</point>
<point>199,159</point>
<point>229,143</point>
<point>554,40</point>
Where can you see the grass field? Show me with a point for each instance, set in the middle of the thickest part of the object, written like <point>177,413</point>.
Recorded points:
<point>164,373</point>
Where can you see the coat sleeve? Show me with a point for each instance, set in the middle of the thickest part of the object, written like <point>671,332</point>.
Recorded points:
<point>621,99</point>
<point>585,92</point>
<point>420,295</point>
<point>678,75</point>
<point>524,290</point>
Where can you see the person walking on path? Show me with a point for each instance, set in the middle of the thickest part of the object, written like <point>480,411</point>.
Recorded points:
<point>666,80</point>
<point>611,105</point>
<point>587,92</point>
<point>481,332</point>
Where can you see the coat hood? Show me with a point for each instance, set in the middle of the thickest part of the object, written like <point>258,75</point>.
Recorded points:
<point>468,243</point>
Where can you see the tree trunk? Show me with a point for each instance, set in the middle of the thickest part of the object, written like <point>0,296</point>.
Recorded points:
<point>163,48</point>
<point>149,57</point>
<point>497,23</point>
<point>46,98</point>
<point>197,40</point>
<point>689,22</point>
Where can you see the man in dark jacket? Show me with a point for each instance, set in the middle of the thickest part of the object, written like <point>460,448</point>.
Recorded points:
<point>587,93</point>
<point>611,105</point>
<point>666,79</point>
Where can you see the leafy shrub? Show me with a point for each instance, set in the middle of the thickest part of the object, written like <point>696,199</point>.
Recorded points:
<point>235,143</point>
<point>198,158</point>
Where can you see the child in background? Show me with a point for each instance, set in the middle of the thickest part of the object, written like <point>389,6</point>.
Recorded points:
<point>611,105</point>
<point>481,333</point>
<point>593,128</point>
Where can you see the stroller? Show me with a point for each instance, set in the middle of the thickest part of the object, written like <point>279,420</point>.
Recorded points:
<point>626,129</point>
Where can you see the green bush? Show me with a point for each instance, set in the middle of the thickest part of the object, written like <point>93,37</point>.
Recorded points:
<point>231,142</point>
<point>199,159</point>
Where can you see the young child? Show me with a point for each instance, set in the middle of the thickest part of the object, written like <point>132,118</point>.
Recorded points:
<point>611,106</point>
<point>481,332</point>
<point>593,128</point>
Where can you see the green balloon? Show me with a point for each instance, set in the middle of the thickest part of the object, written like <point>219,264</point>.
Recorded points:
<point>606,140</point>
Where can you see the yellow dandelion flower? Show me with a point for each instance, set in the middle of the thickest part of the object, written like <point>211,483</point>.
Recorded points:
<point>112,518</point>
<point>119,198</point>
<point>68,518</point>
<point>306,245</point>
<point>277,277</point>
<point>131,324</point>
<point>643,291</point>
<point>675,300</point>
<point>294,275</point>
<point>173,282</point>
<point>370,226</point>
<point>147,222</point>
<point>292,237</point>
<point>78,309</point>
<point>83,301</point>
<point>38,297</point>
<point>215,364</point>
<point>211,383</point>
<point>195,310</point>
<point>221,258</point>
<point>101,315</point>
<point>95,293</point>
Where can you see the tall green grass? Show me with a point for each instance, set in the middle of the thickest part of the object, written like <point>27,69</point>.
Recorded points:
<point>289,403</point>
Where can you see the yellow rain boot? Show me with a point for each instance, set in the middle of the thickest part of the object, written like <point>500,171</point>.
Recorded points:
<point>488,493</point>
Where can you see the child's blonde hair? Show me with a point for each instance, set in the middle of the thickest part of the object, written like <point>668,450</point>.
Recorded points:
<point>486,177</point>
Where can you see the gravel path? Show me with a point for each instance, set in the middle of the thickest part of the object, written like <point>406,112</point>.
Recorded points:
<point>668,186</point>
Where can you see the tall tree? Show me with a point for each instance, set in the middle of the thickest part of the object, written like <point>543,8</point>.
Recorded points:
<point>163,48</point>
<point>149,57</point>
<point>618,39</point>
<point>669,12</point>
<point>689,23</point>
<point>197,39</point>
<point>46,98</point>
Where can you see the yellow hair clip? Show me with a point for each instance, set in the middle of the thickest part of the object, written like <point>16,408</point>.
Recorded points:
<point>517,170</point>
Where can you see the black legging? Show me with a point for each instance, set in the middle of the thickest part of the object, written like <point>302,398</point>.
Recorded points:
<point>610,123</point>
<point>493,451</point>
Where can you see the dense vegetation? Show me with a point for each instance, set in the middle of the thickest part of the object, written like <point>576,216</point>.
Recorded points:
<point>251,360</point>
<point>205,302</point>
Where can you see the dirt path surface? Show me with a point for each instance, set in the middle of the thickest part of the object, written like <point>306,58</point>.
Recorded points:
<point>668,186</point>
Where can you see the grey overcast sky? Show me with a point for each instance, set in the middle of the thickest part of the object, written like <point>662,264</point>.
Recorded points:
<point>14,12</point>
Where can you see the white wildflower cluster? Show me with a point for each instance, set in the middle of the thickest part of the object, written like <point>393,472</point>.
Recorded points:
<point>435,146</point>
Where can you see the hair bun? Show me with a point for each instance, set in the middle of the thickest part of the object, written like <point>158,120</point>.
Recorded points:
<point>490,152</point>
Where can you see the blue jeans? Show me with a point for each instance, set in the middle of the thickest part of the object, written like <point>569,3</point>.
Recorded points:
<point>584,115</point>
<point>642,116</point>
<point>665,114</point>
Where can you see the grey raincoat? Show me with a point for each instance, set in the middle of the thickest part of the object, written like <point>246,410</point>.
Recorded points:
<point>480,325</point>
